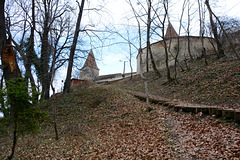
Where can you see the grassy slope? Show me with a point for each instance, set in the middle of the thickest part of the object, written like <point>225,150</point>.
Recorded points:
<point>217,83</point>
<point>103,122</point>
<point>96,122</point>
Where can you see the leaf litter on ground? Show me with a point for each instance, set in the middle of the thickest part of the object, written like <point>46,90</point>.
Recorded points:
<point>106,123</point>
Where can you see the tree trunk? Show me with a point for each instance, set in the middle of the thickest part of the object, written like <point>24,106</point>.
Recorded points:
<point>178,42</point>
<point>166,60</point>
<point>140,54</point>
<point>202,31</point>
<point>158,74</point>
<point>147,63</point>
<point>2,25</point>
<point>53,63</point>
<point>3,107</point>
<point>189,47</point>
<point>165,4</point>
<point>45,55</point>
<point>55,122</point>
<point>44,63</point>
<point>11,70</point>
<point>214,30</point>
<point>188,33</point>
<point>27,66</point>
<point>14,142</point>
<point>231,45</point>
<point>72,51</point>
<point>2,38</point>
<point>30,56</point>
<point>130,56</point>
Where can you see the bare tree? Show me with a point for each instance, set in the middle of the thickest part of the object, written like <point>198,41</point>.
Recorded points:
<point>73,47</point>
<point>188,32</point>
<point>140,54</point>
<point>202,30</point>
<point>159,22</point>
<point>165,5</point>
<point>48,14</point>
<point>178,40</point>
<point>30,54</point>
<point>130,54</point>
<point>149,50</point>
<point>231,27</point>
<point>60,31</point>
<point>53,25</point>
<point>11,71</point>
<point>147,21</point>
<point>25,49</point>
<point>214,31</point>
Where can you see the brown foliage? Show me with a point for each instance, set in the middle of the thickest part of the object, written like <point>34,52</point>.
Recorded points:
<point>117,127</point>
<point>8,56</point>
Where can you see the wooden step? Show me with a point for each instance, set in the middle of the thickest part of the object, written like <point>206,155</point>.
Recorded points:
<point>218,111</point>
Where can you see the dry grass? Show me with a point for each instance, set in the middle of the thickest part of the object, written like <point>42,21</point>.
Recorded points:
<point>107,123</point>
<point>98,122</point>
<point>217,83</point>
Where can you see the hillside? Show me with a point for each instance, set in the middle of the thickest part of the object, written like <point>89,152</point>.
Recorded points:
<point>105,122</point>
<point>217,83</point>
<point>96,122</point>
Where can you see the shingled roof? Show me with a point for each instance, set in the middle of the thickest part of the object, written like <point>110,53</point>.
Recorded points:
<point>90,61</point>
<point>170,33</point>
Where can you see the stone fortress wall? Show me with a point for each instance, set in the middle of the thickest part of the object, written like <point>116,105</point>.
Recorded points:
<point>158,51</point>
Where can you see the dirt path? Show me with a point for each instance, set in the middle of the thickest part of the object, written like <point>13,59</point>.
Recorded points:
<point>197,136</point>
<point>203,137</point>
<point>226,112</point>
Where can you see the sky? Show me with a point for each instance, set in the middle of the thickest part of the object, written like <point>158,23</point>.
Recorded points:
<point>110,57</point>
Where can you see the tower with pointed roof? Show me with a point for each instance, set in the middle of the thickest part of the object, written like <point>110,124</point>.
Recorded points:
<point>170,33</point>
<point>90,70</point>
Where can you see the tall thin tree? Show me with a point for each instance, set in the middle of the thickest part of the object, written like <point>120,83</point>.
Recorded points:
<point>149,50</point>
<point>10,71</point>
<point>73,47</point>
<point>178,40</point>
<point>201,32</point>
<point>165,5</point>
<point>188,32</point>
<point>140,54</point>
<point>214,30</point>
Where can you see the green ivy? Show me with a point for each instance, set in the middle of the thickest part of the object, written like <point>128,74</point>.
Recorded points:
<point>22,112</point>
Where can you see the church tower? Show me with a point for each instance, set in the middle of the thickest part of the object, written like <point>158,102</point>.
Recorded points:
<point>171,33</point>
<point>89,71</point>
